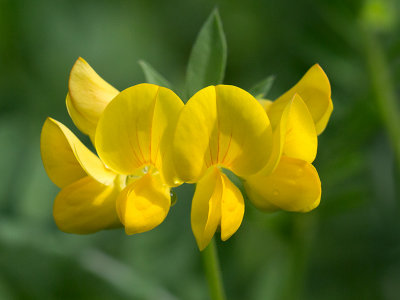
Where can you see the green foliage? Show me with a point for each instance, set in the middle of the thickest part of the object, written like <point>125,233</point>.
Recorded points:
<point>207,60</point>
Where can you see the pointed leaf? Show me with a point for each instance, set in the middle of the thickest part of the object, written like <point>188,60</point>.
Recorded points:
<point>208,57</point>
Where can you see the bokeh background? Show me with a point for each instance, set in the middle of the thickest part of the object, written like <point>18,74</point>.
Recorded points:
<point>348,248</point>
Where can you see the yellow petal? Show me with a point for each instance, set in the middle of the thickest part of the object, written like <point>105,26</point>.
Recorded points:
<point>78,120</point>
<point>278,141</point>
<point>314,88</point>
<point>232,208</point>
<point>294,186</point>
<point>221,125</point>
<point>294,135</point>
<point>89,94</point>
<point>300,135</point>
<point>136,128</point>
<point>143,204</point>
<point>192,151</point>
<point>86,206</point>
<point>66,159</point>
<point>206,207</point>
<point>245,133</point>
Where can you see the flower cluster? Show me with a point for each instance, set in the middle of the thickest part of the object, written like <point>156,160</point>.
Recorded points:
<point>149,141</point>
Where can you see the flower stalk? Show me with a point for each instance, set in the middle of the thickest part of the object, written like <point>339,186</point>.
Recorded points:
<point>213,271</point>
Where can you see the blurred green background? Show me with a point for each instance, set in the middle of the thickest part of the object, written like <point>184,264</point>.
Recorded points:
<point>348,248</point>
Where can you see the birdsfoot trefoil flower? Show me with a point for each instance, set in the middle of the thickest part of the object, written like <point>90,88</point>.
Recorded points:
<point>219,127</point>
<point>289,181</point>
<point>103,193</point>
<point>133,139</point>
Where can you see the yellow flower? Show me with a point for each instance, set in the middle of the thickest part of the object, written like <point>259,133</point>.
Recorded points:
<point>133,139</point>
<point>289,181</point>
<point>219,127</point>
<point>101,193</point>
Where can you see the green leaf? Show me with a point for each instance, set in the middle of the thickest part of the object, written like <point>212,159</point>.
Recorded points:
<point>152,76</point>
<point>262,88</point>
<point>207,60</point>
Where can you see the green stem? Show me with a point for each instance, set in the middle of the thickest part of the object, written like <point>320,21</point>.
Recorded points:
<point>383,88</point>
<point>213,272</point>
